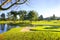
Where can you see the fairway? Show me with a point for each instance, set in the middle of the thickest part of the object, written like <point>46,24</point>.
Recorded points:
<point>53,25</point>
<point>38,30</point>
<point>45,22</point>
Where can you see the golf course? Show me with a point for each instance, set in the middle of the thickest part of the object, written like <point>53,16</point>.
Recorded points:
<point>40,30</point>
<point>29,19</point>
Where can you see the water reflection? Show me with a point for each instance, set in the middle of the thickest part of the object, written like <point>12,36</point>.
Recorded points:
<point>6,27</point>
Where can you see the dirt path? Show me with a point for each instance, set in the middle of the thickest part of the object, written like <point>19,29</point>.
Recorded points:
<point>26,29</point>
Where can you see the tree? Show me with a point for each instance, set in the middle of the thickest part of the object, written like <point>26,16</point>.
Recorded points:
<point>22,14</point>
<point>4,2</point>
<point>32,15</point>
<point>53,17</point>
<point>3,16</point>
<point>14,15</point>
<point>9,16</point>
<point>41,17</point>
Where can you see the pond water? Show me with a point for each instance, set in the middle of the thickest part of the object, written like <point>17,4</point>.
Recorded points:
<point>6,27</point>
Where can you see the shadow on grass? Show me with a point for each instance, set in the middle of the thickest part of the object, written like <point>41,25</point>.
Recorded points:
<point>44,30</point>
<point>52,27</point>
<point>21,24</point>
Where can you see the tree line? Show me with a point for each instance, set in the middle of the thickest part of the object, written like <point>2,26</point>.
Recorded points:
<point>25,15</point>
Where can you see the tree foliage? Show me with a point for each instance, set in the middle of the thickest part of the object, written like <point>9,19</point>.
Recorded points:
<point>41,17</point>
<point>32,15</point>
<point>3,16</point>
<point>14,15</point>
<point>53,17</point>
<point>12,2</point>
<point>22,14</point>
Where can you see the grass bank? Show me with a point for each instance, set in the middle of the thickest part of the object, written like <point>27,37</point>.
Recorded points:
<point>15,34</point>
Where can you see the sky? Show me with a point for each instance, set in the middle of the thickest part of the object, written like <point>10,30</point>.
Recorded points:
<point>43,7</point>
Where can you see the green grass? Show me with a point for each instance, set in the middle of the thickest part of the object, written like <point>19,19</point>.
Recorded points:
<point>14,30</point>
<point>46,28</point>
<point>53,22</point>
<point>4,22</point>
<point>44,22</point>
<point>37,35</point>
<point>50,32</point>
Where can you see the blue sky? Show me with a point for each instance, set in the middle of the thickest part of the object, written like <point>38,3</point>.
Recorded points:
<point>45,7</point>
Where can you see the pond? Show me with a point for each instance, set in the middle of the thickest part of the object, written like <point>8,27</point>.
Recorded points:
<point>6,27</point>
